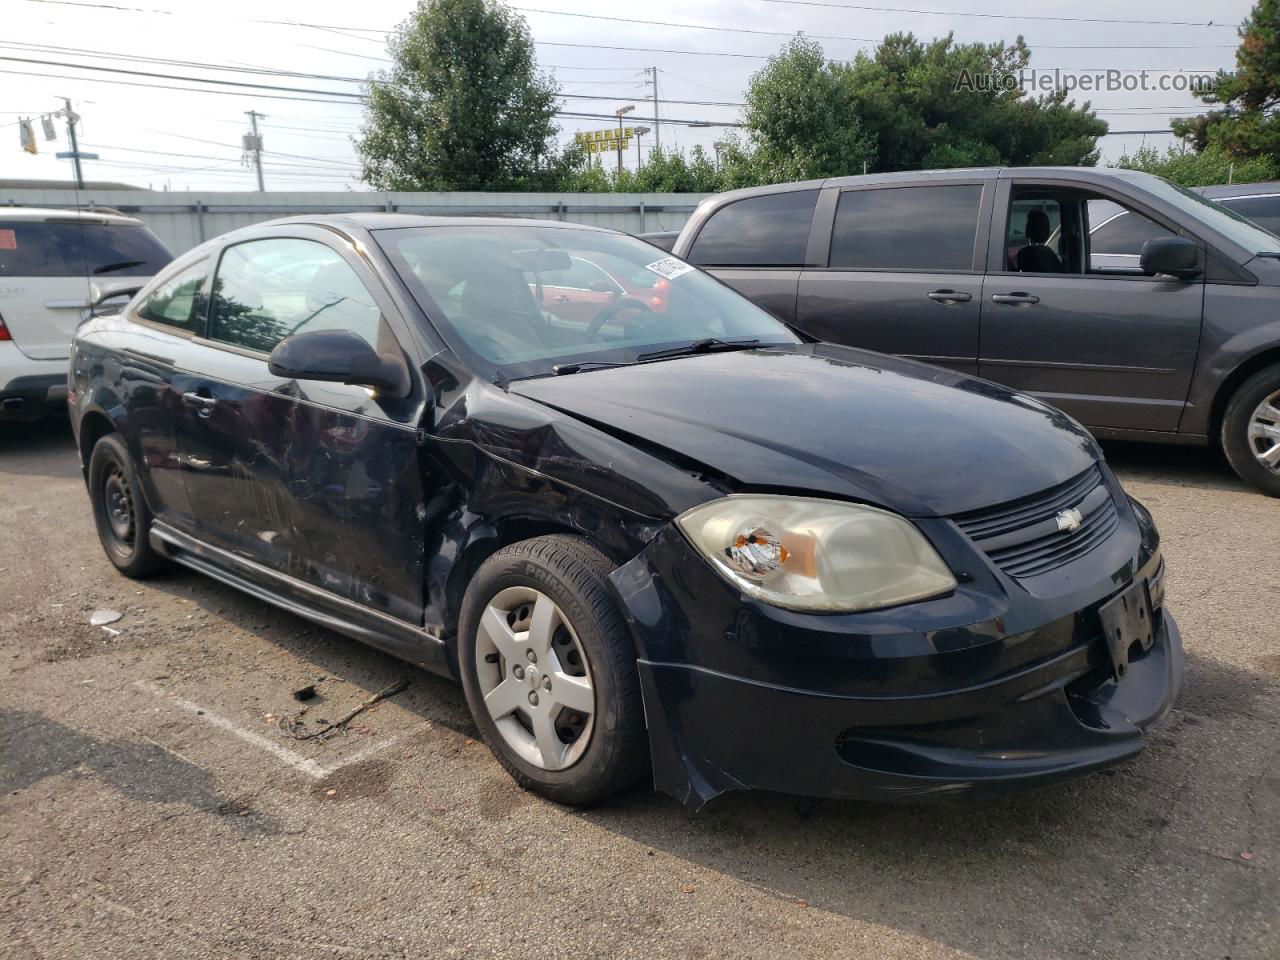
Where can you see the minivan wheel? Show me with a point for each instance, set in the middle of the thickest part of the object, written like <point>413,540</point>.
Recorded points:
<point>549,671</point>
<point>1251,431</point>
<point>119,510</point>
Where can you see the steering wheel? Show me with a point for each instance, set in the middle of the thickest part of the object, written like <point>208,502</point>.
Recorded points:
<point>611,311</point>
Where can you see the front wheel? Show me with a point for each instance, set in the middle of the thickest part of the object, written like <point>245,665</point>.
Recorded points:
<point>1251,431</point>
<point>119,510</point>
<point>549,671</point>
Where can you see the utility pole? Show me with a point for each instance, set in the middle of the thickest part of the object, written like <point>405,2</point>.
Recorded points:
<point>253,144</point>
<point>653,78</point>
<point>74,154</point>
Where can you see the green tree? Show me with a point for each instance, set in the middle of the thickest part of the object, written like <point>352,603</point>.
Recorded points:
<point>463,107</point>
<point>802,117</point>
<point>1248,125</point>
<point>1191,169</point>
<point>943,104</point>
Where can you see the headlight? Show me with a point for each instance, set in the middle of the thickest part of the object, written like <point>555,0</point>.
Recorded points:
<point>809,554</point>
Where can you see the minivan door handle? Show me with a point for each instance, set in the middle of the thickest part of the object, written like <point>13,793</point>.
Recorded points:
<point>949,296</point>
<point>1017,298</point>
<point>204,405</point>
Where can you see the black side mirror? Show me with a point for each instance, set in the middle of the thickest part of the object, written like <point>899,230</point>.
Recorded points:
<point>339,356</point>
<point>112,301</point>
<point>1174,256</point>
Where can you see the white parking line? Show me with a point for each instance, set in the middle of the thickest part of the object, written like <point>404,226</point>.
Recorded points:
<point>297,761</point>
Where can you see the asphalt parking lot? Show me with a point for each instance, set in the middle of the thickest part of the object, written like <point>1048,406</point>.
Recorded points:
<point>151,807</point>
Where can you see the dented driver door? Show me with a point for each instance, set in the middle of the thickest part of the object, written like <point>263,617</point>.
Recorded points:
<point>317,481</point>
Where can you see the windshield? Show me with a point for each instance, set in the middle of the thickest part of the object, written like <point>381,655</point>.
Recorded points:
<point>526,299</point>
<point>1227,222</point>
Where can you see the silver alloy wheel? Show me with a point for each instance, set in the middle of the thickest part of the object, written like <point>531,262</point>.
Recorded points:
<point>534,677</point>
<point>1264,432</point>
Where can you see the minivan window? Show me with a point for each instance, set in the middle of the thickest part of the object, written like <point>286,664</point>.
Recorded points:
<point>1120,231</point>
<point>72,248</point>
<point>1226,221</point>
<point>768,231</point>
<point>266,290</point>
<point>907,228</point>
<point>1262,210</point>
<point>178,302</point>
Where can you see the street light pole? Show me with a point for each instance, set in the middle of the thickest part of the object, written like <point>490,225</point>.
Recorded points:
<point>639,132</point>
<point>619,113</point>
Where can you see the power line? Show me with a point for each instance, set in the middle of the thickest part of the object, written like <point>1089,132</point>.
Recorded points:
<point>354,103</point>
<point>829,4</point>
<point>185,78</point>
<point>823,36</point>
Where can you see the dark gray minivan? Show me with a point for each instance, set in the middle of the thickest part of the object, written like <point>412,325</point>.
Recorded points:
<point>1138,307</point>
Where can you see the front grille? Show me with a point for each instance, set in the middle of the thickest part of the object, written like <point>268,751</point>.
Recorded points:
<point>1022,536</point>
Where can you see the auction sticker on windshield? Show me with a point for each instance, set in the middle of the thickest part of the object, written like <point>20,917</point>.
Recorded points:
<point>669,267</point>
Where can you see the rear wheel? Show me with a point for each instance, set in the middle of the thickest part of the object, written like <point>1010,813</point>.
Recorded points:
<point>121,514</point>
<point>549,671</point>
<point>1251,431</point>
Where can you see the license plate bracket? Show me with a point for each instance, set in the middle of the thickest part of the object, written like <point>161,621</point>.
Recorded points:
<point>1126,620</point>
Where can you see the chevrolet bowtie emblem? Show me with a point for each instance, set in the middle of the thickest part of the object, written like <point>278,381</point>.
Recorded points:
<point>1069,520</point>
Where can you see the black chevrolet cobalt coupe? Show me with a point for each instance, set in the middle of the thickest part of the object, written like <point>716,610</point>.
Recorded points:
<point>646,525</point>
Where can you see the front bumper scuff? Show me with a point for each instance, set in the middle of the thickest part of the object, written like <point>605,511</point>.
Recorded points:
<point>866,721</point>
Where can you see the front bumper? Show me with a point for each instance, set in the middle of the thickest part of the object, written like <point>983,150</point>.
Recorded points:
<point>893,704</point>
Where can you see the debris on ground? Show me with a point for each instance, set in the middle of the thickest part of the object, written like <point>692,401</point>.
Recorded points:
<point>305,693</point>
<point>102,617</point>
<point>291,726</point>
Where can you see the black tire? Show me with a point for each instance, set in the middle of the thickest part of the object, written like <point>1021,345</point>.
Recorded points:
<point>571,573</point>
<point>1235,430</point>
<point>119,509</point>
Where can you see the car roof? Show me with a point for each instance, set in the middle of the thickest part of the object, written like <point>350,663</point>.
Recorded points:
<point>1229,191</point>
<point>69,213</point>
<point>961,174</point>
<point>402,221</point>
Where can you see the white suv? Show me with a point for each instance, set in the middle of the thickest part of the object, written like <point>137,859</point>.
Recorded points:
<point>53,265</point>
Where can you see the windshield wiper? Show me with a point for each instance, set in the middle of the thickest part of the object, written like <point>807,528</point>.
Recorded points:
<point>706,345</point>
<point>112,267</point>
<point>561,369</point>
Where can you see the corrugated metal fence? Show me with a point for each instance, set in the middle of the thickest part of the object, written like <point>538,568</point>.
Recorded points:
<point>183,220</point>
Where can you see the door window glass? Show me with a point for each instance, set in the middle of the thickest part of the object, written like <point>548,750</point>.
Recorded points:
<point>907,228</point>
<point>1034,240</point>
<point>178,301</point>
<point>70,248</point>
<point>1116,235</point>
<point>768,231</point>
<point>266,290</point>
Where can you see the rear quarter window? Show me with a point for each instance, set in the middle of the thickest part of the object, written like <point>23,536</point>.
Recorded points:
<point>768,231</point>
<point>69,248</point>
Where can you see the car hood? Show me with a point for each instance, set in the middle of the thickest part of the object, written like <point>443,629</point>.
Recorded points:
<point>823,419</point>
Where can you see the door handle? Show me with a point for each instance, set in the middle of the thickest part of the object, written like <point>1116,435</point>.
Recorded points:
<point>949,296</point>
<point>1017,298</point>
<point>204,405</point>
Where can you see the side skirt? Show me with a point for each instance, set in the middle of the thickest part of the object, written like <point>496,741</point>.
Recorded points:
<point>321,606</point>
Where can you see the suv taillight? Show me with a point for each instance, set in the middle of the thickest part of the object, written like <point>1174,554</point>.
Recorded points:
<point>4,331</point>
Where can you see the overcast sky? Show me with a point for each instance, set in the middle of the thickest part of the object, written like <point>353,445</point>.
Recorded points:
<point>191,140</point>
